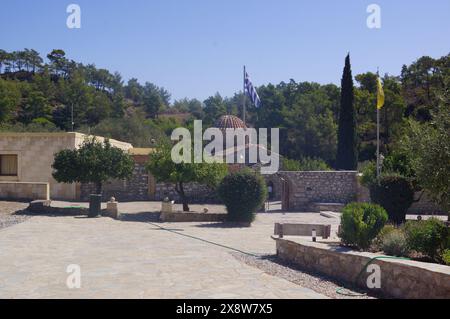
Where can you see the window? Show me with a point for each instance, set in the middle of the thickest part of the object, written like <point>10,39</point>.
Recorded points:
<point>8,165</point>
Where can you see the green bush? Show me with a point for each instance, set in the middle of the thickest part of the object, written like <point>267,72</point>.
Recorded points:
<point>400,163</point>
<point>446,257</point>
<point>361,223</point>
<point>378,241</point>
<point>369,174</point>
<point>395,244</point>
<point>429,237</point>
<point>305,164</point>
<point>395,194</point>
<point>243,193</point>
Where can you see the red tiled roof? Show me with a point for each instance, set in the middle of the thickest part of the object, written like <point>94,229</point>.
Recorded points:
<point>229,121</point>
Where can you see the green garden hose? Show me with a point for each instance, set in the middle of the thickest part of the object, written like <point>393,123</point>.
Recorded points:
<point>340,290</point>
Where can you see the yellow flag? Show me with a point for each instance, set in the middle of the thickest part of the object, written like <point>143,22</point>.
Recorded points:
<point>380,94</point>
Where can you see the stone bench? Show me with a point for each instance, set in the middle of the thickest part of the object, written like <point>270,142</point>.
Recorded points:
<point>281,230</point>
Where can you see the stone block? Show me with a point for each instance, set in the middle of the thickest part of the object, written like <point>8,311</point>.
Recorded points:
<point>112,208</point>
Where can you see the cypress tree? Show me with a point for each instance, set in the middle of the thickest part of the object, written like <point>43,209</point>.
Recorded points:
<point>347,154</point>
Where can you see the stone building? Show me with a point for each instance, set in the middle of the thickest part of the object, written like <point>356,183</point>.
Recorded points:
<point>26,164</point>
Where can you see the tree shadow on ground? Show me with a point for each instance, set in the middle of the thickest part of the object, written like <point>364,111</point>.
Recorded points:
<point>224,225</point>
<point>143,217</point>
<point>62,212</point>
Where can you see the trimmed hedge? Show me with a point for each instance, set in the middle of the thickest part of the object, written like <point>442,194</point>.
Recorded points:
<point>243,193</point>
<point>395,194</point>
<point>361,223</point>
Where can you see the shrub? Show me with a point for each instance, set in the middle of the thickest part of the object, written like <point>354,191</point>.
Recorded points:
<point>395,243</point>
<point>446,257</point>
<point>243,193</point>
<point>428,237</point>
<point>94,162</point>
<point>378,242</point>
<point>305,164</point>
<point>361,223</point>
<point>369,174</point>
<point>395,194</point>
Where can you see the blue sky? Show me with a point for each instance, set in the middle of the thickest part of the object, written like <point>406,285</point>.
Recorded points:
<point>195,48</point>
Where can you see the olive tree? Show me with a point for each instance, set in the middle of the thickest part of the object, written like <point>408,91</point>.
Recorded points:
<point>94,162</point>
<point>165,170</point>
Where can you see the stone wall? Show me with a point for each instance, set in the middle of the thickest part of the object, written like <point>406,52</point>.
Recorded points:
<point>399,278</point>
<point>307,188</point>
<point>197,193</point>
<point>134,189</point>
<point>139,188</point>
<point>24,191</point>
<point>425,206</point>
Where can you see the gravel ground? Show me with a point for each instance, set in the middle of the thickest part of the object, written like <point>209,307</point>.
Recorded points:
<point>321,284</point>
<point>7,213</point>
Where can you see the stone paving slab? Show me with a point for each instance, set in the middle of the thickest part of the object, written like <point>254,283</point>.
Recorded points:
<point>138,260</point>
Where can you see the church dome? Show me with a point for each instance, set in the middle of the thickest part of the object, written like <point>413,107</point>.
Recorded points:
<point>229,121</point>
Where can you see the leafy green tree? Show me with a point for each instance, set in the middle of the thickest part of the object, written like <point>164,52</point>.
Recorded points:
<point>153,102</point>
<point>94,162</point>
<point>305,164</point>
<point>35,106</point>
<point>423,83</point>
<point>134,91</point>
<point>310,125</point>
<point>100,109</point>
<point>429,149</point>
<point>58,61</point>
<point>272,113</point>
<point>193,106</point>
<point>3,58</point>
<point>162,167</point>
<point>214,108</point>
<point>73,93</point>
<point>34,60</point>
<point>347,155</point>
<point>9,99</point>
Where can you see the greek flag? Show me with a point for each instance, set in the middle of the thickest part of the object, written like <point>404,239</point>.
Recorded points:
<point>251,91</point>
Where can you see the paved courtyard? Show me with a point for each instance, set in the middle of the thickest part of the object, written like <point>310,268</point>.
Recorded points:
<point>135,259</point>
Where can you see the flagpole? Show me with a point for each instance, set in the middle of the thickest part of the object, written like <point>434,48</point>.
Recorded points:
<point>378,134</point>
<point>378,143</point>
<point>243,101</point>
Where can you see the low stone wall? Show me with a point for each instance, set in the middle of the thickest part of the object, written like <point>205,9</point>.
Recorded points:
<point>399,278</point>
<point>307,188</point>
<point>181,217</point>
<point>24,191</point>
